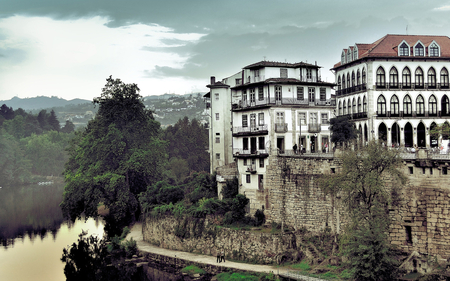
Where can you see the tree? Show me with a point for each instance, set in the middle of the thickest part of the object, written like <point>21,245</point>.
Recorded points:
<point>53,121</point>
<point>6,112</point>
<point>117,157</point>
<point>367,181</point>
<point>69,127</point>
<point>343,130</point>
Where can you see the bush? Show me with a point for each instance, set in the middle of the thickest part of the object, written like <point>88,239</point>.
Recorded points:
<point>260,218</point>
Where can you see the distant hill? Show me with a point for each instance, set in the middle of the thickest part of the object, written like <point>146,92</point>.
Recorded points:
<point>41,102</point>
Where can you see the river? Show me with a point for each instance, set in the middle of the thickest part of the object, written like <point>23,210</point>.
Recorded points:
<point>33,233</point>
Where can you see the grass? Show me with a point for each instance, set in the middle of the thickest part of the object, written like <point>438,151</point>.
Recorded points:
<point>192,269</point>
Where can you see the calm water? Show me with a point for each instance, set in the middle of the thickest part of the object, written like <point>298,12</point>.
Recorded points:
<point>33,234</point>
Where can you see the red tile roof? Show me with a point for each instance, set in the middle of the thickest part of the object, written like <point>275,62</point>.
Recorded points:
<point>264,63</point>
<point>387,45</point>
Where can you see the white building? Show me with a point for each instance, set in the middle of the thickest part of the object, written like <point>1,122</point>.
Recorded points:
<point>396,89</point>
<point>268,108</point>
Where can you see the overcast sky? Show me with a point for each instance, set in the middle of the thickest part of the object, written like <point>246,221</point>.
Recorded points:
<point>68,48</point>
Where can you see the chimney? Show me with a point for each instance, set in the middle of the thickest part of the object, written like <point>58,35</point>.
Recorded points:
<point>213,80</point>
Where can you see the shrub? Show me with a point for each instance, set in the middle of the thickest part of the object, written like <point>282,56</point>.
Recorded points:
<point>260,218</point>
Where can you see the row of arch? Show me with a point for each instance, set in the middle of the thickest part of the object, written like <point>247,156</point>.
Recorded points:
<point>407,105</point>
<point>351,80</point>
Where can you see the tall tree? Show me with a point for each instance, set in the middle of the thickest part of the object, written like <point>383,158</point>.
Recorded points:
<point>368,181</point>
<point>343,130</point>
<point>114,159</point>
<point>53,121</point>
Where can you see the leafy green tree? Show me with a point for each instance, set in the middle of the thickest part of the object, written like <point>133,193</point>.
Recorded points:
<point>114,159</point>
<point>343,130</point>
<point>69,127</point>
<point>367,181</point>
<point>6,112</point>
<point>14,166</point>
<point>53,121</point>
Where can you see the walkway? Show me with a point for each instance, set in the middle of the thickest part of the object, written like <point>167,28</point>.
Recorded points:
<point>136,234</point>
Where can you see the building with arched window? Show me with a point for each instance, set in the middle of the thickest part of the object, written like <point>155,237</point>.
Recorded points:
<point>403,85</point>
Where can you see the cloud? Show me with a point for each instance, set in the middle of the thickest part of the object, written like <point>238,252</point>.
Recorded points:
<point>442,8</point>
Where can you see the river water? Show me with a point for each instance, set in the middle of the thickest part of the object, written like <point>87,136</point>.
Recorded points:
<point>33,233</point>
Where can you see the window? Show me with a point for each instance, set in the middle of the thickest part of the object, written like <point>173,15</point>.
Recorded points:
<point>407,106</point>
<point>217,156</point>
<point>257,73</point>
<point>364,76</point>
<point>261,143</point>
<point>283,73</point>
<point>302,118</point>
<point>364,104</point>
<point>432,105</point>
<point>394,105</point>
<point>261,162</point>
<point>244,95</point>
<point>406,78</point>
<point>280,118</point>
<point>217,116</point>
<point>324,118</point>
<point>217,96</point>
<point>359,104</point>
<point>278,93</point>
<point>312,94</point>
<point>419,78</point>
<point>217,139</point>
<point>353,79</point>
<point>431,78</point>
<point>404,49</point>
<point>381,105</point>
<point>261,185</point>
<point>245,161</point>
<point>245,143</point>
<point>411,170</point>
<point>343,57</point>
<point>358,78</point>
<point>349,55</point>
<point>339,83</point>
<point>244,120</point>
<point>349,106</point>
<point>444,78</point>
<point>381,79</point>
<point>308,73</point>
<point>313,118</point>
<point>323,94</point>
<point>419,50</point>
<point>444,170</point>
<point>261,118</point>
<point>253,120</point>
<point>393,77</point>
<point>340,109</point>
<point>348,80</point>
<point>247,178</point>
<point>252,95</point>
<point>345,108</point>
<point>433,50</point>
<point>354,106</point>
<point>343,82</point>
<point>300,95</point>
<point>420,105</point>
<point>260,93</point>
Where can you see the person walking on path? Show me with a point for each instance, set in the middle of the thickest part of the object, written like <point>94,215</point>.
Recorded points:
<point>218,256</point>
<point>222,256</point>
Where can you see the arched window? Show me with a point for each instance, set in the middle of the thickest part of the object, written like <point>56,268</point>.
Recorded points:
<point>381,78</point>
<point>419,78</point>
<point>420,105</point>
<point>359,105</point>
<point>349,107</point>
<point>340,108</point>
<point>419,50</point>
<point>358,78</point>
<point>363,75</point>
<point>353,79</point>
<point>407,106</point>
<point>339,83</point>
<point>432,106</point>
<point>344,106</point>
<point>381,106</point>
<point>404,49</point>
<point>406,78</point>
<point>445,106</point>
<point>343,82</point>
<point>433,50</point>
<point>431,78</point>
<point>393,78</point>
<point>444,78</point>
<point>354,106</point>
<point>394,105</point>
<point>343,58</point>
<point>365,104</point>
<point>348,80</point>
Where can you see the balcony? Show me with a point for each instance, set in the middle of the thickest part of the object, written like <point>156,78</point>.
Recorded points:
<point>314,127</point>
<point>252,130</point>
<point>251,169</point>
<point>281,127</point>
<point>412,86</point>
<point>351,90</point>
<point>247,153</point>
<point>265,102</point>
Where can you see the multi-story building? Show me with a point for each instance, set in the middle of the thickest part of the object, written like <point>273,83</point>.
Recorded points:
<point>396,89</point>
<point>274,108</point>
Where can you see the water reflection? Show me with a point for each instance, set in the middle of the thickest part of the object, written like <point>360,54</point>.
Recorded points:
<point>30,211</point>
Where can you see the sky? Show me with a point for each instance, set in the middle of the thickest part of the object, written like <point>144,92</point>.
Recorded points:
<point>67,49</point>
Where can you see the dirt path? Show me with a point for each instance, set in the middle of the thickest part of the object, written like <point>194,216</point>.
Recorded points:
<point>136,234</point>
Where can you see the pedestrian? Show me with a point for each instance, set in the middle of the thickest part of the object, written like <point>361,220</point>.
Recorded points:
<point>295,148</point>
<point>218,256</point>
<point>223,256</point>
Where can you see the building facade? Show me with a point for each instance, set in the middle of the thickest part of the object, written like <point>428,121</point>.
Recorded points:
<point>396,89</point>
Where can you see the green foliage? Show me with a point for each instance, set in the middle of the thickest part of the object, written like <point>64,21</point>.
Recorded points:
<point>440,130</point>
<point>343,130</point>
<point>304,266</point>
<point>260,218</point>
<point>231,188</point>
<point>362,181</point>
<point>192,269</point>
<point>229,276</point>
<point>116,158</point>
<point>14,166</point>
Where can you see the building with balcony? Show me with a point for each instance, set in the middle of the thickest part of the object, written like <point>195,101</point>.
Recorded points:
<point>396,89</point>
<point>274,108</point>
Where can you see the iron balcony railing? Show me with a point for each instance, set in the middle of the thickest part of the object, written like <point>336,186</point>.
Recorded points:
<point>243,104</point>
<point>250,129</point>
<point>248,152</point>
<point>281,127</point>
<point>314,127</point>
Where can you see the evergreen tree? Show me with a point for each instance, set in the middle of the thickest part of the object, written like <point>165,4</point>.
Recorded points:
<point>53,121</point>
<point>114,159</point>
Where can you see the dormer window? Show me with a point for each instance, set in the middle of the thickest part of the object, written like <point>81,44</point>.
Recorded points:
<point>355,54</point>
<point>349,55</point>
<point>419,50</point>
<point>343,57</point>
<point>433,50</point>
<point>283,73</point>
<point>404,49</point>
